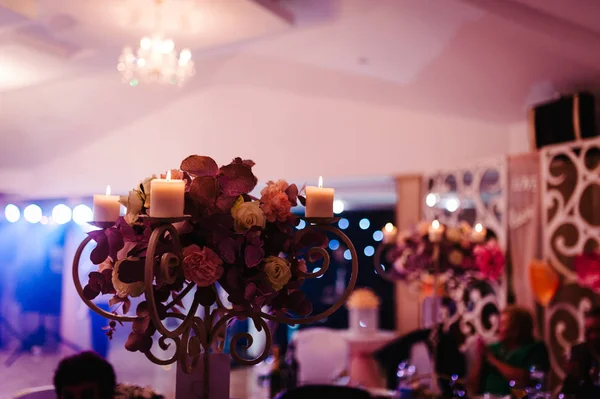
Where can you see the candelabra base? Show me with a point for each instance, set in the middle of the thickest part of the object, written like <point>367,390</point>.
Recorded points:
<point>194,385</point>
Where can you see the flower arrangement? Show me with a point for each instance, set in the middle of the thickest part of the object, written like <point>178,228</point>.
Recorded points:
<point>247,246</point>
<point>459,252</point>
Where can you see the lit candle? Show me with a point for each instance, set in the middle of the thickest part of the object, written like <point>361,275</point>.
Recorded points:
<point>319,201</point>
<point>389,233</point>
<point>166,197</point>
<point>436,231</point>
<point>106,207</point>
<point>478,233</point>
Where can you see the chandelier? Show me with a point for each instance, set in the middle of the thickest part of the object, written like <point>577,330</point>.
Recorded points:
<point>156,60</point>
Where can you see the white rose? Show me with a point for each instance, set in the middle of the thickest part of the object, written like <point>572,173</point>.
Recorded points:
<point>247,215</point>
<point>124,289</point>
<point>146,187</point>
<point>133,202</point>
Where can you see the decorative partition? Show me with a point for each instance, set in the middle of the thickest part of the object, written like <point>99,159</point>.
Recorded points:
<point>570,189</point>
<point>474,194</point>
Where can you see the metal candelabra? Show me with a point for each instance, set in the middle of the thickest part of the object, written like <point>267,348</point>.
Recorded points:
<point>196,336</point>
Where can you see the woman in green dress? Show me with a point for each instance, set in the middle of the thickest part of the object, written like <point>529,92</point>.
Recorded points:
<point>511,358</point>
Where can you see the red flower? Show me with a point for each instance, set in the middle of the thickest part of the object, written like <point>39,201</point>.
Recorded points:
<point>201,265</point>
<point>587,267</point>
<point>489,259</point>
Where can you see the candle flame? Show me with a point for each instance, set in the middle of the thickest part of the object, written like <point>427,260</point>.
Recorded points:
<point>320,181</point>
<point>389,227</point>
<point>435,224</point>
<point>479,227</point>
<point>169,175</point>
<point>108,190</point>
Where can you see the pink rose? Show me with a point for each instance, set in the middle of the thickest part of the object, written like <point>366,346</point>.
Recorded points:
<point>490,260</point>
<point>202,266</point>
<point>587,267</point>
<point>275,202</point>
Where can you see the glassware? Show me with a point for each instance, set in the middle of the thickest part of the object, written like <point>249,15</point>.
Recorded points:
<point>405,375</point>
<point>537,378</point>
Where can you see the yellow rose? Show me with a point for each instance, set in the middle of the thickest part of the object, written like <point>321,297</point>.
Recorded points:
<point>247,215</point>
<point>278,272</point>
<point>455,258</point>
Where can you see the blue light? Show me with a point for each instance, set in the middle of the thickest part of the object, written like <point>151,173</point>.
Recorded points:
<point>364,223</point>
<point>32,213</point>
<point>82,214</point>
<point>347,255</point>
<point>61,214</point>
<point>316,270</point>
<point>378,235</point>
<point>343,223</point>
<point>334,244</point>
<point>12,213</point>
<point>369,250</point>
<point>301,225</point>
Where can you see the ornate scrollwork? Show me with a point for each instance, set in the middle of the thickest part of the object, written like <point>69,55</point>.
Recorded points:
<point>570,173</point>
<point>478,188</point>
<point>196,336</point>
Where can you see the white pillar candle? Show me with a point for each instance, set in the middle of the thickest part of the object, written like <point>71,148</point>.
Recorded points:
<point>106,207</point>
<point>478,233</point>
<point>389,233</point>
<point>166,197</point>
<point>436,231</point>
<point>319,201</point>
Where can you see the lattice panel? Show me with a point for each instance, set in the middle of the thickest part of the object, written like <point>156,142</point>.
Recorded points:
<point>570,192</point>
<point>479,189</point>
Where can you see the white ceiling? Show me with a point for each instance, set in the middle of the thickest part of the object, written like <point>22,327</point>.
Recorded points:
<point>343,88</point>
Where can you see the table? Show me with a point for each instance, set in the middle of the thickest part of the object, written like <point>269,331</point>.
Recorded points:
<point>363,369</point>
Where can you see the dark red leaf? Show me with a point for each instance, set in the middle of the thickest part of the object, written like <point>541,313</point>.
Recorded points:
<point>126,305</point>
<point>253,255</point>
<point>225,203</point>
<point>205,295</point>
<point>115,242</point>
<point>236,179</point>
<point>292,193</point>
<point>89,292</point>
<point>197,165</point>
<point>132,270</point>
<point>302,200</point>
<point>101,252</point>
<point>204,190</point>
<point>138,342</point>
<point>311,238</point>
<point>249,163</point>
<point>227,249</point>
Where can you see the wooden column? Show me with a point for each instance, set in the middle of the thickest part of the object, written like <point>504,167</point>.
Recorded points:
<point>409,192</point>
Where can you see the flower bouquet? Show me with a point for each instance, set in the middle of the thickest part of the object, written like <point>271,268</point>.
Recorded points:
<point>129,391</point>
<point>230,240</point>
<point>454,253</point>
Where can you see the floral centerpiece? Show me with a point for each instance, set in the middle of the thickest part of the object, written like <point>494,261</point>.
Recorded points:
<point>451,252</point>
<point>248,246</point>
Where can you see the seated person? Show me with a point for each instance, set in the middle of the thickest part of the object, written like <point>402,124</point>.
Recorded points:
<point>84,376</point>
<point>585,357</point>
<point>510,359</point>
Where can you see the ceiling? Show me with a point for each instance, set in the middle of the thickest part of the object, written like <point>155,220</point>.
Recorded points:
<point>351,87</point>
